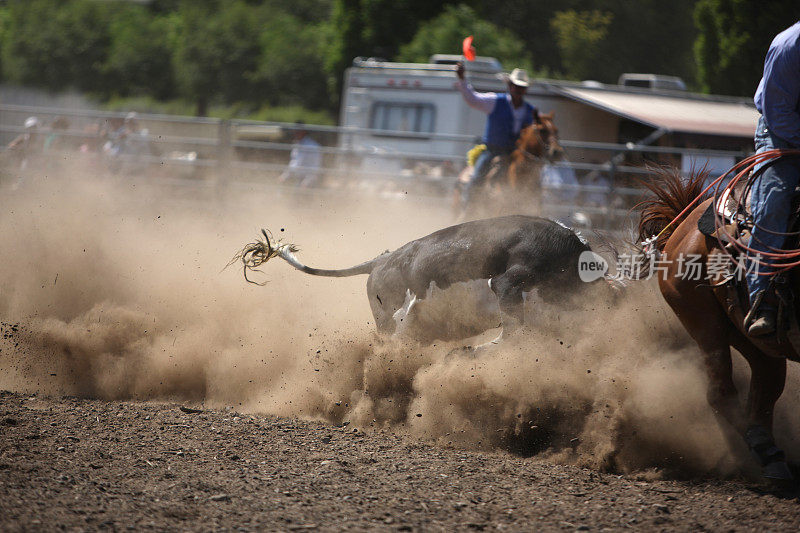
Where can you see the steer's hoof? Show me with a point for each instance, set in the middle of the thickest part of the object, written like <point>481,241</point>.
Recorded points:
<point>777,471</point>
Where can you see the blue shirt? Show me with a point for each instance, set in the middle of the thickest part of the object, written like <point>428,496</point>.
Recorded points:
<point>778,95</point>
<point>502,128</point>
<point>499,131</point>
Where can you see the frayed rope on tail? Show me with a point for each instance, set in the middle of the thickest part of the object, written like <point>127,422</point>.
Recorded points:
<point>255,254</point>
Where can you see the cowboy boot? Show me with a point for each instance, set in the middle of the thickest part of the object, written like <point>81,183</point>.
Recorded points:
<point>763,323</point>
<point>760,320</point>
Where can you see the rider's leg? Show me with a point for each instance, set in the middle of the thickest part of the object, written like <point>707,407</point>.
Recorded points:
<point>770,204</point>
<point>482,165</point>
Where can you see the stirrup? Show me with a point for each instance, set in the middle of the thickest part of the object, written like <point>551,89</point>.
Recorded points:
<point>751,315</point>
<point>765,324</point>
<point>785,298</point>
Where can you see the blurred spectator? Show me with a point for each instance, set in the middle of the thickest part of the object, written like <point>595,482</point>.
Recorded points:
<point>127,144</point>
<point>136,138</point>
<point>125,136</point>
<point>26,145</point>
<point>601,189</point>
<point>91,140</point>
<point>559,183</point>
<point>114,132</point>
<point>306,160</point>
<point>57,139</point>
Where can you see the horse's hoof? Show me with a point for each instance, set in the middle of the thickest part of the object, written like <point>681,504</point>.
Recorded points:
<point>777,471</point>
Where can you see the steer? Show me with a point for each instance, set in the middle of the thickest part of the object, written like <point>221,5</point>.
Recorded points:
<point>515,254</point>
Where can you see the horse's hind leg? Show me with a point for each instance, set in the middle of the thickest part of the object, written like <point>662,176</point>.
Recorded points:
<point>707,324</point>
<point>767,380</point>
<point>721,393</point>
<point>712,331</point>
<point>722,396</point>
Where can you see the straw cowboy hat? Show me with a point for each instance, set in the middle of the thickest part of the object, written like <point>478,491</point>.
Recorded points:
<point>519,77</point>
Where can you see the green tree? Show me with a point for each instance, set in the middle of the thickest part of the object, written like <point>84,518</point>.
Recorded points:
<point>388,24</point>
<point>163,7</point>
<point>309,11</point>
<point>57,45</point>
<point>291,68</point>
<point>345,41</point>
<point>530,21</point>
<point>649,36</point>
<point>216,53</point>
<point>734,36</point>
<point>374,28</point>
<point>445,33</point>
<point>5,23</point>
<point>579,35</point>
<point>601,39</point>
<point>139,58</point>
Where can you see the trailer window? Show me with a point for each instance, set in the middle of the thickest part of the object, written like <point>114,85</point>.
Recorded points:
<point>402,117</point>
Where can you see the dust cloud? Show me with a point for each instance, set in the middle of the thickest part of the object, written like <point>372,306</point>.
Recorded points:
<point>113,287</point>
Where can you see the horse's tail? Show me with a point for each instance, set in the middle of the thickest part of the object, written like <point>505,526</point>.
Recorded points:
<point>257,253</point>
<point>672,194</point>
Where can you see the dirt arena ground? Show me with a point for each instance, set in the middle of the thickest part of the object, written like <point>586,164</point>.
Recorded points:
<point>74,464</point>
<point>146,387</point>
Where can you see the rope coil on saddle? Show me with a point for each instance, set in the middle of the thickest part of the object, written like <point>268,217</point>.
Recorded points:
<point>776,259</point>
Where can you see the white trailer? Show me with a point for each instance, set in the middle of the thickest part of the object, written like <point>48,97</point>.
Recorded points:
<point>395,116</point>
<point>412,110</point>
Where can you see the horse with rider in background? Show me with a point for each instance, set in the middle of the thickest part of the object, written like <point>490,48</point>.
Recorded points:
<point>513,182</point>
<point>508,115</point>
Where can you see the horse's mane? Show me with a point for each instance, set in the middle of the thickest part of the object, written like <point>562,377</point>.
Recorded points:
<point>672,193</point>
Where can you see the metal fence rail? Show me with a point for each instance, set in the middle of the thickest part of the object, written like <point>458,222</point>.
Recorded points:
<point>604,189</point>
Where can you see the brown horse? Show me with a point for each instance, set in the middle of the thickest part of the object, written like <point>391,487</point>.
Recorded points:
<point>536,144</point>
<point>712,310</point>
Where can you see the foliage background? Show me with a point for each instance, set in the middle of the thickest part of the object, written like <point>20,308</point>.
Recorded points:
<point>284,59</point>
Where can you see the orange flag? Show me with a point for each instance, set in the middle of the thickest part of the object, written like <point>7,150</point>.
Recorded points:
<point>469,50</point>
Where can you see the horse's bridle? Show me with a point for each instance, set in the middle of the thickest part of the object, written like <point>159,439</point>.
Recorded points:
<point>547,143</point>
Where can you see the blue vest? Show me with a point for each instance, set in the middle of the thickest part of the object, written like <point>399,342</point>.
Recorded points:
<point>499,133</point>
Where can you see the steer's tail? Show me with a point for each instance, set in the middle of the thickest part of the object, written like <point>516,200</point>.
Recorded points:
<point>257,253</point>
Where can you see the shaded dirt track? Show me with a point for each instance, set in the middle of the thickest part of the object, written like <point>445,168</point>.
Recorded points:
<point>84,464</point>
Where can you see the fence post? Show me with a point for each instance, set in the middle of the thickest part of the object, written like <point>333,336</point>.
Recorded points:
<point>612,181</point>
<point>223,145</point>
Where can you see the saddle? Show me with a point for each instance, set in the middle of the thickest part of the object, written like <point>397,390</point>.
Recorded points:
<point>734,213</point>
<point>736,223</point>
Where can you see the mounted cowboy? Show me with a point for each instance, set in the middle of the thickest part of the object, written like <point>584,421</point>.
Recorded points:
<point>778,100</point>
<point>508,114</point>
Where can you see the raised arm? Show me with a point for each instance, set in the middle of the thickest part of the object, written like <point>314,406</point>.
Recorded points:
<point>483,102</point>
